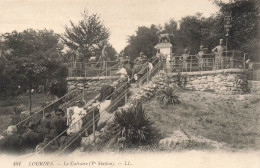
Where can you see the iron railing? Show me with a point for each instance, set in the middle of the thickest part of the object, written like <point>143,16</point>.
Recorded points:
<point>80,69</point>
<point>122,96</point>
<point>209,62</point>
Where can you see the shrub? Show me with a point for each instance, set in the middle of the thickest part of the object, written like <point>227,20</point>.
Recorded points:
<point>181,80</point>
<point>168,96</point>
<point>132,127</point>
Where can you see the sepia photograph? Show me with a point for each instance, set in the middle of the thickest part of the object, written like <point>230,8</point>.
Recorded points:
<point>130,84</point>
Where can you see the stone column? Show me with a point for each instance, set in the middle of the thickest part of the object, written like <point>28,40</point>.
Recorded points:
<point>166,50</point>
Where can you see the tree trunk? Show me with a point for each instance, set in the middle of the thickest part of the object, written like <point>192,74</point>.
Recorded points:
<point>30,99</point>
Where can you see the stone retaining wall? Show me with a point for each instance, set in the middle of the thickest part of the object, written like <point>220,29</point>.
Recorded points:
<point>254,87</point>
<point>90,83</point>
<point>227,81</point>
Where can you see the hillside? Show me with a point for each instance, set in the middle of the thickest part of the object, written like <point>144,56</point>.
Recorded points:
<point>230,119</point>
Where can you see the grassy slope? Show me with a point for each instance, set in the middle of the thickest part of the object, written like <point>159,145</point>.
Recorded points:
<point>216,117</point>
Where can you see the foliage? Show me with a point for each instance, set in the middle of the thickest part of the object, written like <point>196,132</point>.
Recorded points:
<point>57,84</point>
<point>133,126</point>
<point>168,96</point>
<point>31,58</point>
<point>89,35</point>
<point>244,33</point>
<point>197,30</point>
<point>144,41</point>
<point>17,111</point>
<point>181,80</point>
<point>15,117</point>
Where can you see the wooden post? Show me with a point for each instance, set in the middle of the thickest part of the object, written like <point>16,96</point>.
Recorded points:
<point>43,113</point>
<point>94,128</point>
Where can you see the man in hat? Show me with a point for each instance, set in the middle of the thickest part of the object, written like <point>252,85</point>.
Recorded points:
<point>31,138</point>
<point>219,50</point>
<point>137,65</point>
<point>12,143</point>
<point>57,124</point>
<point>184,58</point>
<point>43,127</point>
<point>200,55</point>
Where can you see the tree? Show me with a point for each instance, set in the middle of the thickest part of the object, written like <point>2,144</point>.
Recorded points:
<point>190,33</point>
<point>171,28</point>
<point>144,41</point>
<point>88,35</point>
<point>33,58</point>
<point>244,33</point>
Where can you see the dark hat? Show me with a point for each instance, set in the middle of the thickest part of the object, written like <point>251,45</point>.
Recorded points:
<point>47,114</point>
<point>59,111</point>
<point>81,102</point>
<point>48,136</point>
<point>31,125</point>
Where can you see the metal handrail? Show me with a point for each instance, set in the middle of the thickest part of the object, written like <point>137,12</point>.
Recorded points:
<point>123,95</point>
<point>43,109</point>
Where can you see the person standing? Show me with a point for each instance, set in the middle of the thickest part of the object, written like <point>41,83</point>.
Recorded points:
<point>12,143</point>
<point>219,50</point>
<point>137,66</point>
<point>184,58</point>
<point>31,138</point>
<point>43,126</point>
<point>57,124</point>
<point>201,61</point>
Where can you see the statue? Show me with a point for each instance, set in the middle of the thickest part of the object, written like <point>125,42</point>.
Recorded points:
<point>164,38</point>
<point>219,50</point>
<point>104,53</point>
<point>103,58</point>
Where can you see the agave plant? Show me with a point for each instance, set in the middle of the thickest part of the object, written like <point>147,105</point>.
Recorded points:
<point>132,126</point>
<point>168,96</point>
<point>181,80</point>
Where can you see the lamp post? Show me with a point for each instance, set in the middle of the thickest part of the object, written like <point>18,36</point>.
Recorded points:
<point>227,27</point>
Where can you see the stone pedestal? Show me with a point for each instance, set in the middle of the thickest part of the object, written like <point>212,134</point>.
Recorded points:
<point>166,50</point>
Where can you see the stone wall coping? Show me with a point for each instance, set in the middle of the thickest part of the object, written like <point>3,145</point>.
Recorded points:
<point>163,45</point>
<point>207,72</point>
<point>256,82</point>
<point>92,78</point>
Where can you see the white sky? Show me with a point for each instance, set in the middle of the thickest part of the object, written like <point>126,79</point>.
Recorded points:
<point>122,17</point>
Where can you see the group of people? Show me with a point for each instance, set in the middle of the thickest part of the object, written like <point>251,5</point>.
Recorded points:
<point>136,69</point>
<point>54,133</point>
<point>39,136</point>
<point>205,61</point>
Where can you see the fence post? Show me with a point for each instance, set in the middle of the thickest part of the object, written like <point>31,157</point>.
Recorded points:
<point>43,113</point>
<point>244,62</point>
<point>232,59</point>
<point>83,93</point>
<point>191,64</point>
<point>106,67</point>
<point>94,128</point>
<point>147,78</point>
